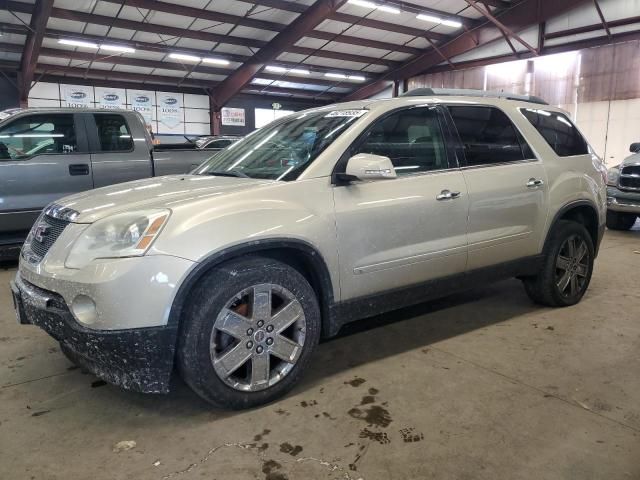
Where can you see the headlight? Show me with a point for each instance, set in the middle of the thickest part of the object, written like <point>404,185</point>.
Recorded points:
<point>123,235</point>
<point>612,176</point>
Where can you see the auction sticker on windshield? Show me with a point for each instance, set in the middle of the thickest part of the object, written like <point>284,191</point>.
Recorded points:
<point>346,113</point>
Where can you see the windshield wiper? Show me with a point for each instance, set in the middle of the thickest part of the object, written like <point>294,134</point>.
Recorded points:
<point>228,173</point>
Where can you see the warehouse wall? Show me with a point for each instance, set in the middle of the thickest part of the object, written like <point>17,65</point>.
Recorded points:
<point>599,87</point>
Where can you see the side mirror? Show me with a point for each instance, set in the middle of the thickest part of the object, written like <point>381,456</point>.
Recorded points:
<point>366,166</point>
<point>635,147</point>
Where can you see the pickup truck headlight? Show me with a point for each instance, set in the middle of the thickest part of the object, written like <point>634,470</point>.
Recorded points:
<point>122,235</point>
<point>612,176</point>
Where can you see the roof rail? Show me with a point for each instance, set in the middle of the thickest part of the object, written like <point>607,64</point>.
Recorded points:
<point>463,92</point>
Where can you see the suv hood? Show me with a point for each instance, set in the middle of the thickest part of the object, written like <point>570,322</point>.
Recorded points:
<point>159,192</point>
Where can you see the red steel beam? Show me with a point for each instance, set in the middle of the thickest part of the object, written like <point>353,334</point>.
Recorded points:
<point>507,32</point>
<point>37,26</point>
<point>515,18</point>
<point>282,42</point>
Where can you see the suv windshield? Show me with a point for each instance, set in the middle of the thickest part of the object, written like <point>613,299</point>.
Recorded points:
<point>282,150</point>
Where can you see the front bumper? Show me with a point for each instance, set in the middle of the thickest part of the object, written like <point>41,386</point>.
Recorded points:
<point>622,201</point>
<point>139,359</point>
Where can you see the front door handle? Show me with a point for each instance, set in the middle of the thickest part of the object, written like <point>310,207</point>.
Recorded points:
<point>78,169</point>
<point>447,195</point>
<point>534,182</point>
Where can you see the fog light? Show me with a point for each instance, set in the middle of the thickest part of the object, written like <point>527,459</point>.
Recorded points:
<point>84,309</point>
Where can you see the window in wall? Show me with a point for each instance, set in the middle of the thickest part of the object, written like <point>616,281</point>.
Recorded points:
<point>488,136</point>
<point>561,135</point>
<point>411,138</point>
<point>38,135</point>
<point>264,116</point>
<point>113,133</point>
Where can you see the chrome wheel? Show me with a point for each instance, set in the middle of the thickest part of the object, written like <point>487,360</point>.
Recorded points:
<point>258,337</point>
<point>572,266</point>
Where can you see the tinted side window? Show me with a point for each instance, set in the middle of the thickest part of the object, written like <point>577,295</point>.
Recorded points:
<point>412,139</point>
<point>558,131</point>
<point>488,136</point>
<point>113,133</point>
<point>38,135</point>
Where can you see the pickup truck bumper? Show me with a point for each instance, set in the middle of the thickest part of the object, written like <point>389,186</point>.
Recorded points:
<point>622,201</point>
<point>139,359</point>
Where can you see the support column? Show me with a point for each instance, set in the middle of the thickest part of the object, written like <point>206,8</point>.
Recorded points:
<point>215,113</point>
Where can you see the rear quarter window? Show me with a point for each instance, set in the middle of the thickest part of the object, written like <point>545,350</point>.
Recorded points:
<point>558,131</point>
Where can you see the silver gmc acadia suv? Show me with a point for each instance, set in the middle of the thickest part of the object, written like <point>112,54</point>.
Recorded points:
<point>234,272</point>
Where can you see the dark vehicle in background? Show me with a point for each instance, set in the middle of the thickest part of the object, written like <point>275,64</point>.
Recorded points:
<point>623,192</point>
<point>46,154</point>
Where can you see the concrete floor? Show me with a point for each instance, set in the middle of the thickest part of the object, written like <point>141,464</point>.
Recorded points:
<point>483,385</point>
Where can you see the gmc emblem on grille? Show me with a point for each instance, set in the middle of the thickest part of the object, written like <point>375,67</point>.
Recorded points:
<point>40,232</point>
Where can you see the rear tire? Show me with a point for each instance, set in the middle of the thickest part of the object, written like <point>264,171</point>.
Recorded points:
<point>248,332</point>
<point>567,267</point>
<point>620,221</point>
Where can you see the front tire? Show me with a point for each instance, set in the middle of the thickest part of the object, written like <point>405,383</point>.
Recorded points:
<point>248,332</point>
<point>567,267</point>
<point>620,221</point>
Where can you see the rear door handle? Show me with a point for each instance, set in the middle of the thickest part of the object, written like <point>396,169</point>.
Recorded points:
<point>534,182</point>
<point>78,169</point>
<point>447,195</point>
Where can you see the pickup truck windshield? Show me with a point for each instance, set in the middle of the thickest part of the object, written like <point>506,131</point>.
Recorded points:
<point>282,150</point>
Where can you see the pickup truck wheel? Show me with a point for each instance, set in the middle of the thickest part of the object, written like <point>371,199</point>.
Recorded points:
<point>248,332</point>
<point>620,221</point>
<point>567,267</point>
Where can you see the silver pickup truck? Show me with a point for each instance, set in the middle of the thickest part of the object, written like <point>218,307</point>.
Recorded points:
<point>46,154</point>
<point>623,192</point>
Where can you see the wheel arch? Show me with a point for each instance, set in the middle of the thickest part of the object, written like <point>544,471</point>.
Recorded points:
<point>298,254</point>
<point>584,212</point>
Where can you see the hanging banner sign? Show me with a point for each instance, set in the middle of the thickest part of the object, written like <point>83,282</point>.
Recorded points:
<point>110,98</point>
<point>233,117</point>
<point>170,109</point>
<point>142,102</point>
<point>77,96</point>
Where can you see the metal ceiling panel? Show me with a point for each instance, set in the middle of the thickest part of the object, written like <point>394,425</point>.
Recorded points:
<point>128,13</point>
<point>93,29</point>
<point>207,76</point>
<point>85,6</point>
<point>123,33</point>
<point>66,25</point>
<point>102,8</point>
<point>330,63</point>
<point>354,49</point>
<point>232,8</point>
<point>132,69</point>
<point>195,44</point>
<point>94,65</point>
<point>233,49</point>
<point>211,27</point>
<point>14,38</point>
<point>9,56</point>
<point>170,73</point>
<point>272,15</point>
<point>155,38</point>
<point>168,19</point>
<point>253,33</point>
<point>53,60</point>
<point>587,15</point>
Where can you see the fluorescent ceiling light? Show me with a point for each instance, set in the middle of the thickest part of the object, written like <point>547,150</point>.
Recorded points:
<point>300,71</point>
<point>274,69</point>
<point>216,61</point>
<point>342,76</point>
<point>182,56</point>
<point>117,48</point>
<point>375,6</point>
<point>77,43</point>
<point>438,20</point>
<point>363,3</point>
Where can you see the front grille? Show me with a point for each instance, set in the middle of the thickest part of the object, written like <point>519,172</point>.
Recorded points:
<point>44,234</point>
<point>630,177</point>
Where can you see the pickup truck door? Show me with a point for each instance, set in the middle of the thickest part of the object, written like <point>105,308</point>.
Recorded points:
<point>120,151</point>
<point>43,157</point>
<point>507,187</point>
<point>394,233</point>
